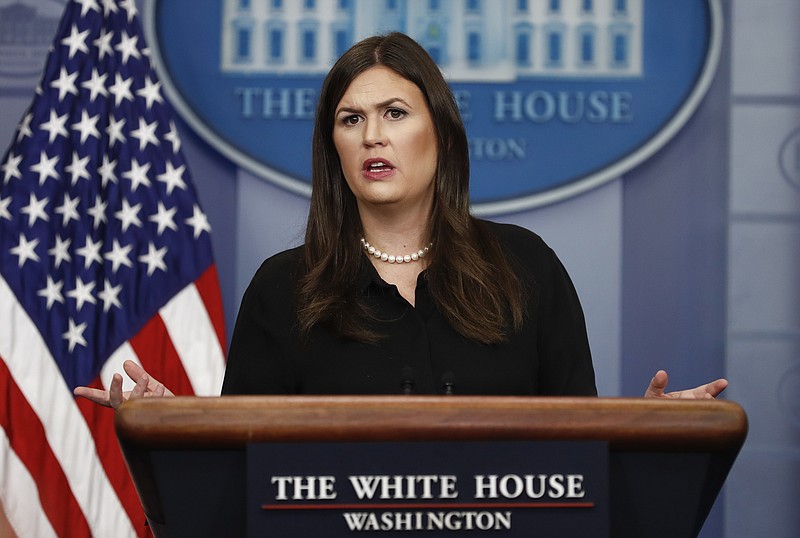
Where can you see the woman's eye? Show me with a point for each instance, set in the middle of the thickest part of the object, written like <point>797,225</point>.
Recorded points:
<point>350,120</point>
<point>395,113</point>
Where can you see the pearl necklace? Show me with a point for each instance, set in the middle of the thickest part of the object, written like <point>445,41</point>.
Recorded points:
<point>408,258</point>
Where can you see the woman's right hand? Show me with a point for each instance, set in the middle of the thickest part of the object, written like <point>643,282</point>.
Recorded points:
<point>146,387</point>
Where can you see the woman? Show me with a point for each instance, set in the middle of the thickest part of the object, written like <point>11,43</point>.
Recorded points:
<point>397,287</point>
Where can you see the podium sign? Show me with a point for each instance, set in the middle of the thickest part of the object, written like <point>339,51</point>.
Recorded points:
<point>522,488</point>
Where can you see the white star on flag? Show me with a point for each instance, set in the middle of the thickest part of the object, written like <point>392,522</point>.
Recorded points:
<point>87,126</point>
<point>154,259</point>
<point>68,210</point>
<point>107,172</point>
<point>96,85</point>
<point>25,127</point>
<point>76,41</point>
<point>86,5</point>
<point>77,169</point>
<point>4,203</point>
<point>103,44</point>
<point>10,168</point>
<point>114,131</point>
<point>52,292</point>
<point>164,218</point>
<point>60,251</point>
<point>65,84</point>
<point>137,174</point>
<point>90,252</point>
<point>75,335</point>
<point>109,7</point>
<point>146,134</point>
<point>121,89</point>
<point>25,250</point>
<point>198,221</point>
<point>151,92</point>
<point>129,215</point>
<point>173,138</point>
<point>128,47</point>
<point>82,293</point>
<point>98,212</point>
<point>118,256</point>
<point>56,126</point>
<point>35,210</point>
<point>172,177</point>
<point>110,296</point>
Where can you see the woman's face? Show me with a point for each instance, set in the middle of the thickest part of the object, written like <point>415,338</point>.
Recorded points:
<point>386,141</point>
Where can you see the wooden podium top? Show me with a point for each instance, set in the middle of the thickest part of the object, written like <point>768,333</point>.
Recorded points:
<point>626,423</point>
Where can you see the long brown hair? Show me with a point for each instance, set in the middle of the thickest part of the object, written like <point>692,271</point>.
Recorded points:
<point>469,276</point>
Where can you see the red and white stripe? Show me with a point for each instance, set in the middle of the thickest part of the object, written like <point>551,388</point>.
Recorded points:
<point>61,471</point>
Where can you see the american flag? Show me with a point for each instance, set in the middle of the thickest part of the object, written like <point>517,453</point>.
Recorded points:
<point>105,255</point>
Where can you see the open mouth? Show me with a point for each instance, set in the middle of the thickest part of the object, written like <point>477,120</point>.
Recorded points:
<point>378,166</point>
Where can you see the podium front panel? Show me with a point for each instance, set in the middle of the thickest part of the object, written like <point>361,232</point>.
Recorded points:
<point>667,460</point>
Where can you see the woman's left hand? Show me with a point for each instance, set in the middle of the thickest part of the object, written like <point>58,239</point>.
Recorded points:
<point>709,391</point>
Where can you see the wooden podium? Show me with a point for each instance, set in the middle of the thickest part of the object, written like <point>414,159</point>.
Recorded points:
<point>667,459</point>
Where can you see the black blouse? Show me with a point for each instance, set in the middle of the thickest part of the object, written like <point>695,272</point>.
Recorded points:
<point>421,353</point>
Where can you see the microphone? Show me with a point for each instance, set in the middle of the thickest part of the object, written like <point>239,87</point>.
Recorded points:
<point>449,383</point>
<point>407,380</point>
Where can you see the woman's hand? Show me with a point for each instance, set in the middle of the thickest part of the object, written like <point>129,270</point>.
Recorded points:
<point>708,391</point>
<point>146,387</point>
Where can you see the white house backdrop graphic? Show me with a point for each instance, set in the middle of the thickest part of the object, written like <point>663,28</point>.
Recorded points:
<point>471,40</point>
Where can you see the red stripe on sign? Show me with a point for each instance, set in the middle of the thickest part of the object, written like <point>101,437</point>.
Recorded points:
<point>429,506</point>
<point>101,423</point>
<point>27,438</point>
<point>159,358</point>
<point>208,288</point>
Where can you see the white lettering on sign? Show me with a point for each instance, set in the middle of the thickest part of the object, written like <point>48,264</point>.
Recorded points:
<point>276,103</point>
<point>569,107</point>
<point>497,149</point>
<point>428,521</point>
<point>300,488</point>
<point>424,487</point>
<point>404,487</point>
<point>511,486</point>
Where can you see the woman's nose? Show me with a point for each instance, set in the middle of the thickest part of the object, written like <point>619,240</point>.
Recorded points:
<point>374,134</point>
